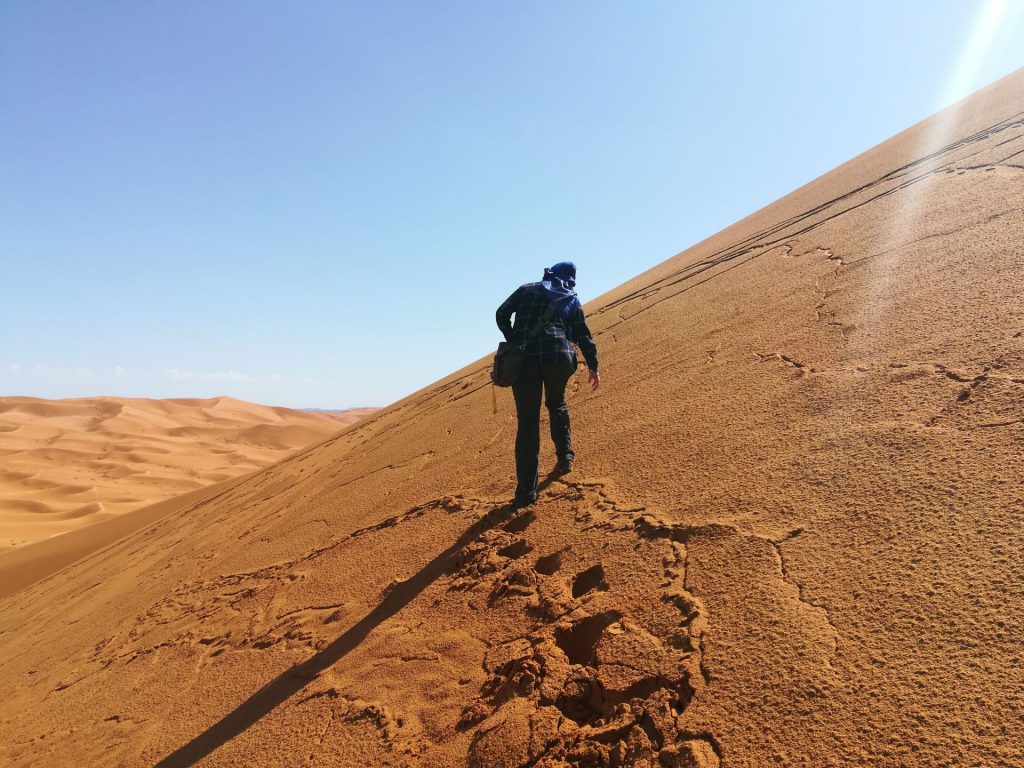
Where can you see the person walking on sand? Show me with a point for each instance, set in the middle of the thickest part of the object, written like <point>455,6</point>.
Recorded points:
<point>549,321</point>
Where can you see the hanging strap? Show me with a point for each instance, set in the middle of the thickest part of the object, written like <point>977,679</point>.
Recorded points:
<point>542,321</point>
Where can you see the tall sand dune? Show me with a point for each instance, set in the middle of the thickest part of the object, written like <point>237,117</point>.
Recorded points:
<point>793,536</point>
<point>67,464</point>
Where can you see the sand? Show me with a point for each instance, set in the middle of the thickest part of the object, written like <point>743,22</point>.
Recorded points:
<point>792,537</point>
<point>69,464</point>
<point>34,562</point>
<point>346,417</point>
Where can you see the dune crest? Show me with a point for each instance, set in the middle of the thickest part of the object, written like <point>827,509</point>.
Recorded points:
<point>792,537</point>
<point>71,463</point>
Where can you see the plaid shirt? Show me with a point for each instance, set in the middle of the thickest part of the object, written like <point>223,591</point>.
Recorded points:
<point>553,342</point>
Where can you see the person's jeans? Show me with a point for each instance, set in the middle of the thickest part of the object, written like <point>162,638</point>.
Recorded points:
<point>552,378</point>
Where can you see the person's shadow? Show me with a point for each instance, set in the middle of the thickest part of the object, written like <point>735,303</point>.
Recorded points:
<point>293,680</point>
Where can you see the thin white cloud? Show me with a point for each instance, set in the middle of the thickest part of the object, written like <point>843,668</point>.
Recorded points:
<point>176,374</point>
<point>82,372</point>
<point>119,373</point>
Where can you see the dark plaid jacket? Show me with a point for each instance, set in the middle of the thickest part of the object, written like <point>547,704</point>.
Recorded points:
<point>553,342</point>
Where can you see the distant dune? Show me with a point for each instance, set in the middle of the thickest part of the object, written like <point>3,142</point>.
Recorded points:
<point>792,537</point>
<point>345,417</point>
<point>66,464</point>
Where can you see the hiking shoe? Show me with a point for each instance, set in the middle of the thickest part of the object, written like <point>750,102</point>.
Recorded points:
<point>563,467</point>
<point>523,501</point>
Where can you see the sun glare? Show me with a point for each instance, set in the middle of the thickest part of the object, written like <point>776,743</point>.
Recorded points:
<point>965,77</point>
<point>995,18</point>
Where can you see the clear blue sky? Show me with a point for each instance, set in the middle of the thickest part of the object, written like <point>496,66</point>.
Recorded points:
<point>321,203</point>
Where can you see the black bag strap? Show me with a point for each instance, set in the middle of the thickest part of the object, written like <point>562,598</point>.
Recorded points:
<point>542,321</point>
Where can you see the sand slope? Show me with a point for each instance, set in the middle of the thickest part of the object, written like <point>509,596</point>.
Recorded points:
<point>67,464</point>
<point>346,417</point>
<point>34,562</point>
<point>793,536</point>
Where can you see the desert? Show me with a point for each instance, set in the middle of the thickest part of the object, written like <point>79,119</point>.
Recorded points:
<point>792,537</point>
<point>68,464</point>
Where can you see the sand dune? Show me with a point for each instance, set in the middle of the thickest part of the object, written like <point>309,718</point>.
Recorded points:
<point>344,417</point>
<point>72,463</point>
<point>35,562</point>
<point>793,536</point>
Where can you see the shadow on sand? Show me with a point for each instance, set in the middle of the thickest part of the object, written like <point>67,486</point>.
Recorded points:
<point>293,680</point>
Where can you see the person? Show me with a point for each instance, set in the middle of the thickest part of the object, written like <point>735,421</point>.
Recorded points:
<point>549,321</point>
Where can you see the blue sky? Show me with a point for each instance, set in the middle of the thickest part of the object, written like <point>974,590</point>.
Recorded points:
<point>320,204</point>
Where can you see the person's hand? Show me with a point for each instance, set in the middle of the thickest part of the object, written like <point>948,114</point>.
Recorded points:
<point>595,380</point>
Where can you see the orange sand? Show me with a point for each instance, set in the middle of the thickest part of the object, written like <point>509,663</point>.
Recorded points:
<point>793,536</point>
<point>34,562</point>
<point>67,464</point>
<point>347,416</point>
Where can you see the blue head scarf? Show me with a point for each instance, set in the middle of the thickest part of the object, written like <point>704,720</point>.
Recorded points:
<point>559,282</point>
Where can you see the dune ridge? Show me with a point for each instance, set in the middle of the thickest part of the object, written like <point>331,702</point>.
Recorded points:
<point>66,464</point>
<point>346,417</point>
<point>793,535</point>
